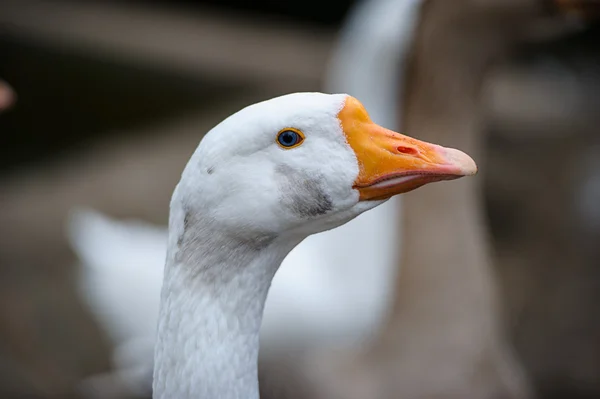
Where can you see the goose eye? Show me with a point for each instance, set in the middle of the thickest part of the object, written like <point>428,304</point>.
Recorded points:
<point>289,138</point>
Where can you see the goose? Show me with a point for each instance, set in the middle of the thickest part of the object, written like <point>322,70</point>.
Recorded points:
<point>302,164</point>
<point>310,304</point>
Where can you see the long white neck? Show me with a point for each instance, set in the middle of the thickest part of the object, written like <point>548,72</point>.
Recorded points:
<point>213,295</point>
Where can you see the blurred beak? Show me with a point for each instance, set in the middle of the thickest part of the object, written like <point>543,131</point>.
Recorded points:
<point>391,163</point>
<point>7,96</point>
<point>586,9</point>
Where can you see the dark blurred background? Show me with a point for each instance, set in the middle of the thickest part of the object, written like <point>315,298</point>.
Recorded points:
<point>113,97</point>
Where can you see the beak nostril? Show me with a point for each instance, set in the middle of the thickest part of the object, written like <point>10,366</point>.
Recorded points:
<point>408,150</point>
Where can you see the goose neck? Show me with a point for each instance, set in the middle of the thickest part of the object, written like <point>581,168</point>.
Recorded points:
<point>212,301</point>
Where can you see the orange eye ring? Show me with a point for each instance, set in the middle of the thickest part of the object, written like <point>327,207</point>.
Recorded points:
<point>289,138</point>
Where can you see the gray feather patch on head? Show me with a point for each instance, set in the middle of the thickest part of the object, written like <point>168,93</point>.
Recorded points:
<point>302,194</point>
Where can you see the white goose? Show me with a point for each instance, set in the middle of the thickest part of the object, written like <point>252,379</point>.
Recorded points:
<point>313,298</point>
<point>305,163</point>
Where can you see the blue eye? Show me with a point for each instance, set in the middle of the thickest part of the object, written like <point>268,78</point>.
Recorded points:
<point>289,138</point>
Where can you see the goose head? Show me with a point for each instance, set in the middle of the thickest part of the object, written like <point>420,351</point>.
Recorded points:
<point>304,163</point>
<point>258,184</point>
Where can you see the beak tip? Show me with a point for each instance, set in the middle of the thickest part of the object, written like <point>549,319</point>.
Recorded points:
<point>465,164</point>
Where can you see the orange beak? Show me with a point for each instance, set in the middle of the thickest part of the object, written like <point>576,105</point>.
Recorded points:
<point>391,163</point>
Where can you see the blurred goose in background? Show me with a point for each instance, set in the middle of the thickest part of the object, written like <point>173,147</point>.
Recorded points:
<point>444,337</point>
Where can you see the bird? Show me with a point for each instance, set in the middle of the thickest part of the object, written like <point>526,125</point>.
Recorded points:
<point>307,306</point>
<point>304,163</point>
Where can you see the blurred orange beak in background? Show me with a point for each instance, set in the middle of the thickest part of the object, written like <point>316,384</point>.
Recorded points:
<point>7,96</point>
